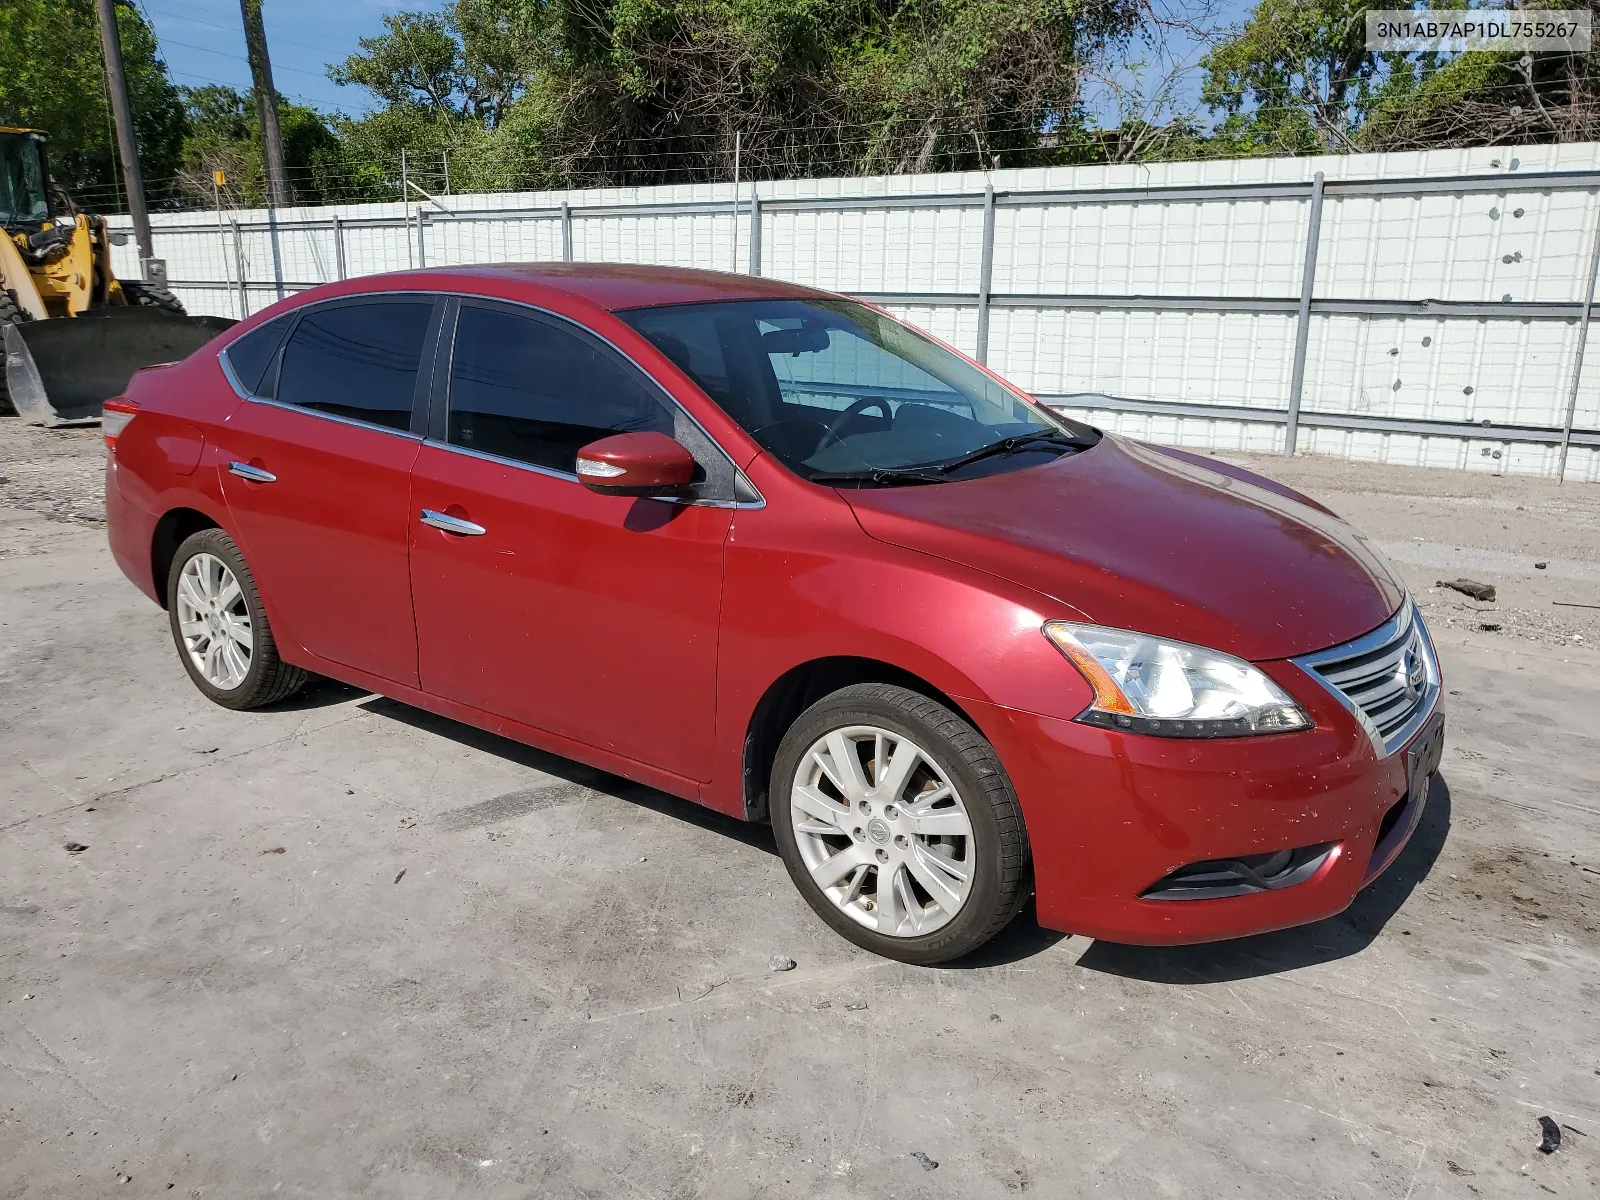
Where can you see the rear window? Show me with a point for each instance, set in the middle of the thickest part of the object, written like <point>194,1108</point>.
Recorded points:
<point>357,361</point>
<point>251,357</point>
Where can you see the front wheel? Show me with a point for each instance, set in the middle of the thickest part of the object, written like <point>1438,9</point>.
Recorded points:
<point>220,626</point>
<point>898,824</point>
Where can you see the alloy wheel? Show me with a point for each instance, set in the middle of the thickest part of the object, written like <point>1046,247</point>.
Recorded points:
<point>214,621</point>
<point>883,831</point>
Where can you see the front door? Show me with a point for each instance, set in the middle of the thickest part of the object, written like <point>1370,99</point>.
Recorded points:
<point>594,617</point>
<point>317,478</point>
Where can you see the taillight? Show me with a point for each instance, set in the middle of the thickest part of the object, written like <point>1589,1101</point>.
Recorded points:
<point>114,418</point>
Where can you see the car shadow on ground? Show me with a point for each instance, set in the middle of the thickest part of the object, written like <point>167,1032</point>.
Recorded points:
<point>1269,953</point>
<point>1215,962</point>
<point>1021,939</point>
<point>321,692</point>
<point>564,771</point>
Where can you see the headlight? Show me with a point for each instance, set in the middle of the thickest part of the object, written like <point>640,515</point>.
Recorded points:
<point>1146,684</point>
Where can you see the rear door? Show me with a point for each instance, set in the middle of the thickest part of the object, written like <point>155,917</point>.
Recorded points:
<point>317,476</point>
<point>590,616</point>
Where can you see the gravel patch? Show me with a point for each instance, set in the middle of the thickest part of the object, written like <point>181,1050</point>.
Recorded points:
<point>56,473</point>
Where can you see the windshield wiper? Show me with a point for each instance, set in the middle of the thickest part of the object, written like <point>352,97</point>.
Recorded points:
<point>937,472</point>
<point>882,476</point>
<point>1014,445</point>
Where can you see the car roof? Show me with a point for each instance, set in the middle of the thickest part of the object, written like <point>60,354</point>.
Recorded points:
<point>613,286</point>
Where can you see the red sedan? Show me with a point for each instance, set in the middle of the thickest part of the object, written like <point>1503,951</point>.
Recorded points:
<point>769,549</point>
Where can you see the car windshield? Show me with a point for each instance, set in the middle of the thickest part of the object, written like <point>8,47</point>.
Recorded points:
<point>839,392</point>
<point>22,191</point>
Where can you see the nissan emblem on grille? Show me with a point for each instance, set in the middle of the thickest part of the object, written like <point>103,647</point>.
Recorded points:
<point>1385,677</point>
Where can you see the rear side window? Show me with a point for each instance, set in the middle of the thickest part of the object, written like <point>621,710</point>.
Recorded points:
<point>357,360</point>
<point>529,390</point>
<point>252,356</point>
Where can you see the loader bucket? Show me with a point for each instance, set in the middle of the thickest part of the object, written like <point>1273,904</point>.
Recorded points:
<point>60,372</point>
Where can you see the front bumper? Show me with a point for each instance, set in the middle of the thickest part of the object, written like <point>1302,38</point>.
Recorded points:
<point>1110,814</point>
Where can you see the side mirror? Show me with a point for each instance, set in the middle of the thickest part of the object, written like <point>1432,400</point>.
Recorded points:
<point>635,464</point>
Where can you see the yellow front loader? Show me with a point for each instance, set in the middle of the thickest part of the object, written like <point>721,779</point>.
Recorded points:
<point>71,331</point>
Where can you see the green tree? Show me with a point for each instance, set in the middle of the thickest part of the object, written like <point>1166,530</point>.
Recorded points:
<point>225,134</point>
<point>52,78</point>
<point>1297,78</point>
<point>546,92</point>
<point>1486,99</point>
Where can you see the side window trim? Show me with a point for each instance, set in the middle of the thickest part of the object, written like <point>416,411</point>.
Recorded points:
<point>436,428</point>
<point>439,411</point>
<point>277,356</point>
<point>275,367</point>
<point>233,380</point>
<point>422,391</point>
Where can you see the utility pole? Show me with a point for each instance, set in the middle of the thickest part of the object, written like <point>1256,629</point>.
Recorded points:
<point>255,43</point>
<point>127,148</point>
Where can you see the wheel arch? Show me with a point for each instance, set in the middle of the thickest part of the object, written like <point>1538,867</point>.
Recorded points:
<point>172,530</point>
<point>795,691</point>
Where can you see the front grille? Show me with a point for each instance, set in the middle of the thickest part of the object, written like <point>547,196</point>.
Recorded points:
<point>1388,678</point>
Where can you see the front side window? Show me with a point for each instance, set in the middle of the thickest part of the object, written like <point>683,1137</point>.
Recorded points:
<point>531,391</point>
<point>832,388</point>
<point>358,361</point>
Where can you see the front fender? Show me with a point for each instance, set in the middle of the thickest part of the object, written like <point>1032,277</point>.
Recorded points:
<point>971,635</point>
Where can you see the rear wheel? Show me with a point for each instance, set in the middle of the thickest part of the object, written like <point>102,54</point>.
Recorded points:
<point>220,627</point>
<point>148,296</point>
<point>898,824</point>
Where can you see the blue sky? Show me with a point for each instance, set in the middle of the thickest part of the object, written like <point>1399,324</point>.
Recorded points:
<point>203,41</point>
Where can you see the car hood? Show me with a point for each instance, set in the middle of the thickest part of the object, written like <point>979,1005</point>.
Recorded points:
<point>1157,541</point>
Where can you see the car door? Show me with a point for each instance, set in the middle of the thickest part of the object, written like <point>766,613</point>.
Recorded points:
<point>590,616</point>
<point>317,477</point>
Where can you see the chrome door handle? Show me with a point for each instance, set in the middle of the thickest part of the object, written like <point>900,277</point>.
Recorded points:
<point>253,474</point>
<point>451,524</point>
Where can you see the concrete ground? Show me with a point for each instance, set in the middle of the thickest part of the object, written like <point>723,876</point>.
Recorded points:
<point>347,948</point>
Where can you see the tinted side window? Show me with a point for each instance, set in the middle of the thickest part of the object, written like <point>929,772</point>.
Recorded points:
<point>528,390</point>
<point>251,355</point>
<point>357,360</point>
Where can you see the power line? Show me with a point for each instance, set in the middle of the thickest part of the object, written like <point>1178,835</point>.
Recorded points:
<point>236,29</point>
<point>166,41</point>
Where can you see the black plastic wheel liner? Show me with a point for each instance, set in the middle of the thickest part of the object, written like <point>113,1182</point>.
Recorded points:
<point>61,371</point>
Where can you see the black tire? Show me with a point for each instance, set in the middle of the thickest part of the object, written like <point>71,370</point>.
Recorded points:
<point>1003,876</point>
<point>146,296</point>
<point>11,313</point>
<point>268,679</point>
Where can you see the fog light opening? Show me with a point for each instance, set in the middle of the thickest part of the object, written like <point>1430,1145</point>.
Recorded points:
<point>1246,875</point>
